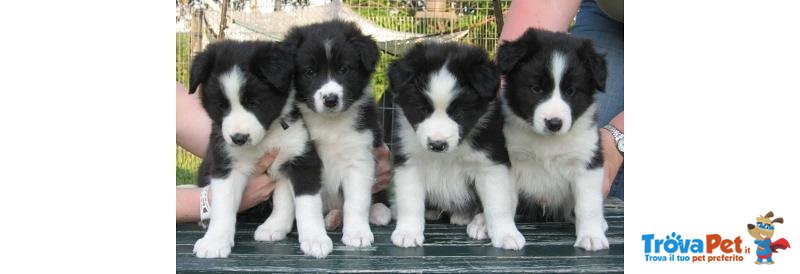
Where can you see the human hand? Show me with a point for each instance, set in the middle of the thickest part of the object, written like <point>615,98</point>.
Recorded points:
<point>382,168</point>
<point>612,159</point>
<point>260,185</point>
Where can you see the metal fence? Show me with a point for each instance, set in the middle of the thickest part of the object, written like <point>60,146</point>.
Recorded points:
<point>197,24</point>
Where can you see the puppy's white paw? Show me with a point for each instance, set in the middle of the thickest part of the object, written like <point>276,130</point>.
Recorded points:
<point>592,242</point>
<point>407,238</point>
<point>333,219</point>
<point>270,232</point>
<point>360,237</point>
<point>477,228</point>
<point>509,239</point>
<point>213,247</point>
<point>317,246</point>
<point>379,214</point>
<point>460,219</point>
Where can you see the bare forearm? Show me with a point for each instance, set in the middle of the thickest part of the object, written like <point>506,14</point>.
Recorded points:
<point>192,123</point>
<point>553,15</point>
<point>187,204</point>
<point>613,159</point>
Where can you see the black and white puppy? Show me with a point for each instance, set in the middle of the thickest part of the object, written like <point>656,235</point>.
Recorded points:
<point>451,152</point>
<point>246,92</point>
<point>334,63</point>
<point>552,135</point>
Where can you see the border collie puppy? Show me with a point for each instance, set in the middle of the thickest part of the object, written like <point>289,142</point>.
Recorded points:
<point>334,63</point>
<point>451,152</point>
<point>246,92</point>
<point>552,136</point>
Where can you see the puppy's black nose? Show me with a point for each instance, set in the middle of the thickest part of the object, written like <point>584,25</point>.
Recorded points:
<point>553,124</point>
<point>330,100</point>
<point>437,146</point>
<point>750,226</point>
<point>240,139</point>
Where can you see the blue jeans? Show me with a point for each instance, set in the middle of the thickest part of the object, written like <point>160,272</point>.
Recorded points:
<point>608,38</point>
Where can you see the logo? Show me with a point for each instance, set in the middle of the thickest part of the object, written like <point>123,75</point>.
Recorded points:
<point>762,231</point>
<point>714,248</point>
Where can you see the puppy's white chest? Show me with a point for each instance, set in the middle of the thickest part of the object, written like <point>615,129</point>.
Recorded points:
<point>342,149</point>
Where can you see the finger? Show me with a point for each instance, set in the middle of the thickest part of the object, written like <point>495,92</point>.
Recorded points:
<point>382,151</point>
<point>266,162</point>
<point>381,184</point>
<point>382,167</point>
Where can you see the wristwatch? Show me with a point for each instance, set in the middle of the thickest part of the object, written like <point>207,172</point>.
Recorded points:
<point>618,137</point>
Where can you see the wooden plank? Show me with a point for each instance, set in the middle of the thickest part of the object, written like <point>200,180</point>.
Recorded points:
<point>447,249</point>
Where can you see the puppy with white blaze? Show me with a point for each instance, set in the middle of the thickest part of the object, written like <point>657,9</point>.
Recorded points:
<point>246,90</point>
<point>334,63</point>
<point>552,136</point>
<point>451,153</point>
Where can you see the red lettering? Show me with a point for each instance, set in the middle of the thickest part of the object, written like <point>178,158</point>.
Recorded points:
<point>712,242</point>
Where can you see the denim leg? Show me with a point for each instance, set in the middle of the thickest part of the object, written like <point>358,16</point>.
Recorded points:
<point>608,38</point>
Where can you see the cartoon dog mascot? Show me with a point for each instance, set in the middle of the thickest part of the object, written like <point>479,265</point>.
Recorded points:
<point>763,231</point>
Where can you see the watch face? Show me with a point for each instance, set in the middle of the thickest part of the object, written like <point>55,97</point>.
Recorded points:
<point>621,145</point>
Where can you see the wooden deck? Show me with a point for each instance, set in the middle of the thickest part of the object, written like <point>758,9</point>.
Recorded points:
<point>447,249</point>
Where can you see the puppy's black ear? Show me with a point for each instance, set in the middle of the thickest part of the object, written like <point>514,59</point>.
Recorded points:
<point>403,71</point>
<point>202,66</point>
<point>366,47</point>
<point>510,53</point>
<point>485,78</point>
<point>594,62</point>
<point>400,73</point>
<point>274,64</point>
<point>769,215</point>
<point>778,220</point>
<point>293,39</point>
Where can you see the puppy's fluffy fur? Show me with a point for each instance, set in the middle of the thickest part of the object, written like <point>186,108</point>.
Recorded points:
<point>451,152</point>
<point>335,62</point>
<point>553,142</point>
<point>246,93</point>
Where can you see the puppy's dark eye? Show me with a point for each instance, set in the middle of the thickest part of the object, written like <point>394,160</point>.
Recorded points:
<point>309,71</point>
<point>456,114</point>
<point>250,102</point>
<point>220,105</point>
<point>421,107</point>
<point>343,69</point>
<point>571,91</point>
<point>536,89</point>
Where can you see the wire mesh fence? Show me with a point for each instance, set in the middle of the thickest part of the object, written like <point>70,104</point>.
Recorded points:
<point>404,22</point>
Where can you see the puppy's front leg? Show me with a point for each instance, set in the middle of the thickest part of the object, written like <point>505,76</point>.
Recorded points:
<point>589,220</point>
<point>314,239</point>
<point>499,200</point>
<point>410,200</point>
<point>281,219</point>
<point>305,175</point>
<point>226,194</point>
<point>357,188</point>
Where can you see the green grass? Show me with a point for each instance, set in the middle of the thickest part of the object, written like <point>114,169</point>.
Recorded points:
<point>186,165</point>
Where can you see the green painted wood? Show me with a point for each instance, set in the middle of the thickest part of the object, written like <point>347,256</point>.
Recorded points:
<point>447,248</point>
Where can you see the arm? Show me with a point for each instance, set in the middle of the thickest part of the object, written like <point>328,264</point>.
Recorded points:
<point>613,159</point>
<point>259,189</point>
<point>553,15</point>
<point>192,125</point>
